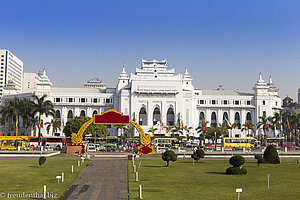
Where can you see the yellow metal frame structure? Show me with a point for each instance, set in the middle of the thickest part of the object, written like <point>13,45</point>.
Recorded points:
<point>145,139</point>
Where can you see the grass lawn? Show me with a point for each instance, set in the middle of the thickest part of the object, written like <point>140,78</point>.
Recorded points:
<point>206,180</point>
<point>18,176</point>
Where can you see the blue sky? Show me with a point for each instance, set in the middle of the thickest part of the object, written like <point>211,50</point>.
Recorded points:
<point>221,42</point>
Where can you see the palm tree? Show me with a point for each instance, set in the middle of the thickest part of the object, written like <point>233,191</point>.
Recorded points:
<point>187,129</point>
<point>263,123</point>
<point>177,129</point>
<point>168,129</point>
<point>11,111</point>
<point>26,112</point>
<point>202,129</point>
<point>128,129</point>
<point>55,124</point>
<point>41,107</point>
<point>33,123</point>
<point>278,120</point>
<point>152,130</point>
<point>250,126</point>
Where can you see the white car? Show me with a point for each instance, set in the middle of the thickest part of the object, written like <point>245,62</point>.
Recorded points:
<point>91,148</point>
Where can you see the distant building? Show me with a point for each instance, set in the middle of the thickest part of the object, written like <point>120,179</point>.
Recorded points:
<point>95,83</point>
<point>11,69</point>
<point>30,80</point>
<point>289,105</point>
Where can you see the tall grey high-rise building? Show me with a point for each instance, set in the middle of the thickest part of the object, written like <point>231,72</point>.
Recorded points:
<point>11,69</point>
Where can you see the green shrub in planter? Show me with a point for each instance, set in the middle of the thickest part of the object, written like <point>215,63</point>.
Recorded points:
<point>198,154</point>
<point>168,156</point>
<point>237,163</point>
<point>271,155</point>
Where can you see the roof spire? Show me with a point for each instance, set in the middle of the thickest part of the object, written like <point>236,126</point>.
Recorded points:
<point>44,71</point>
<point>270,80</point>
<point>186,74</point>
<point>123,74</point>
<point>260,77</point>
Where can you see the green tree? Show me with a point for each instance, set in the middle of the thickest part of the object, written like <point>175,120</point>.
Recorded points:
<point>263,123</point>
<point>152,130</point>
<point>177,129</point>
<point>41,107</point>
<point>278,120</point>
<point>249,127</point>
<point>201,130</point>
<point>198,154</point>
<point>55,124</point>
<point>73,126</point>
<point>168,156</point>
<point>97,129</point>
<point>271,155</point>
<point>11,112</point>
<point>169,129</point>
<point>187,129</point>
<point>26,112</point>
<point>129,130</point>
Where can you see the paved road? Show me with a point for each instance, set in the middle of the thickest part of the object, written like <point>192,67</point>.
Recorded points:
<point>103,178</point>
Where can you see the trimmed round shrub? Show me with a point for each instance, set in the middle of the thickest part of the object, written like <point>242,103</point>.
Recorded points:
<point>271,155</point>
<point>42,160</point>
<point>198,154</point>
<point>257,156</point>
<point>168,156</point>
<point>259,159</point>
<point>236,171</point>
<point>237,161</point>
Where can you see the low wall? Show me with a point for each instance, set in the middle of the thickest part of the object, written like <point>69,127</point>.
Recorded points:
<point>72,149</point>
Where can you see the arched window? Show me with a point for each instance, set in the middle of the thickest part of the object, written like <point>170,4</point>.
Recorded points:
<point>82,113</point>
<point>156,115</point>
<point>170,116</point>
<point>237,120</point>
<point>248,117</point>
<point>201,119</point>
<point>95,112</point>
<point>143,116</point>
<point>225,116</point>
<point>70,114</point>
<point>57,112</point>
<point>213,122</point>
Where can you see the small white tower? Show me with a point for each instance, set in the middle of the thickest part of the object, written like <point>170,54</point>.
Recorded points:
<point>123,79</point>
<point>187,81</point>
<point>44,83</point>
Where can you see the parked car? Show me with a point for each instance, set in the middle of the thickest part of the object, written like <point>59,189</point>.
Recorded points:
<point>91,148</point>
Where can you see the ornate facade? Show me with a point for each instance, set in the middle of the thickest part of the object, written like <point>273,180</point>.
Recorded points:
<point>155,95</point>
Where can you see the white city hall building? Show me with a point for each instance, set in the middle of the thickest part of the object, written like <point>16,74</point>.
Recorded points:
<point>155,95</point>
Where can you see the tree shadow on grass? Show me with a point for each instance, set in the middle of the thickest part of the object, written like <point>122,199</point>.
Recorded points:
<point>34,166</point>
<point>154,166</point>
<point>222,173</point>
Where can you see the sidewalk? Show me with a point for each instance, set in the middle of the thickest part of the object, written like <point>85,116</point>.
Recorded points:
<point>104,179</point>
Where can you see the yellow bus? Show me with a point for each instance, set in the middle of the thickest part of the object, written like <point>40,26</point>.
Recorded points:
<point>231,143</point>
<point>163,143</point>
<point>12,142</point>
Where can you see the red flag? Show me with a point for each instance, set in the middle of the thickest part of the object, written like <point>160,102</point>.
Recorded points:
<point>203,126</point>
<point>227,123</point>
